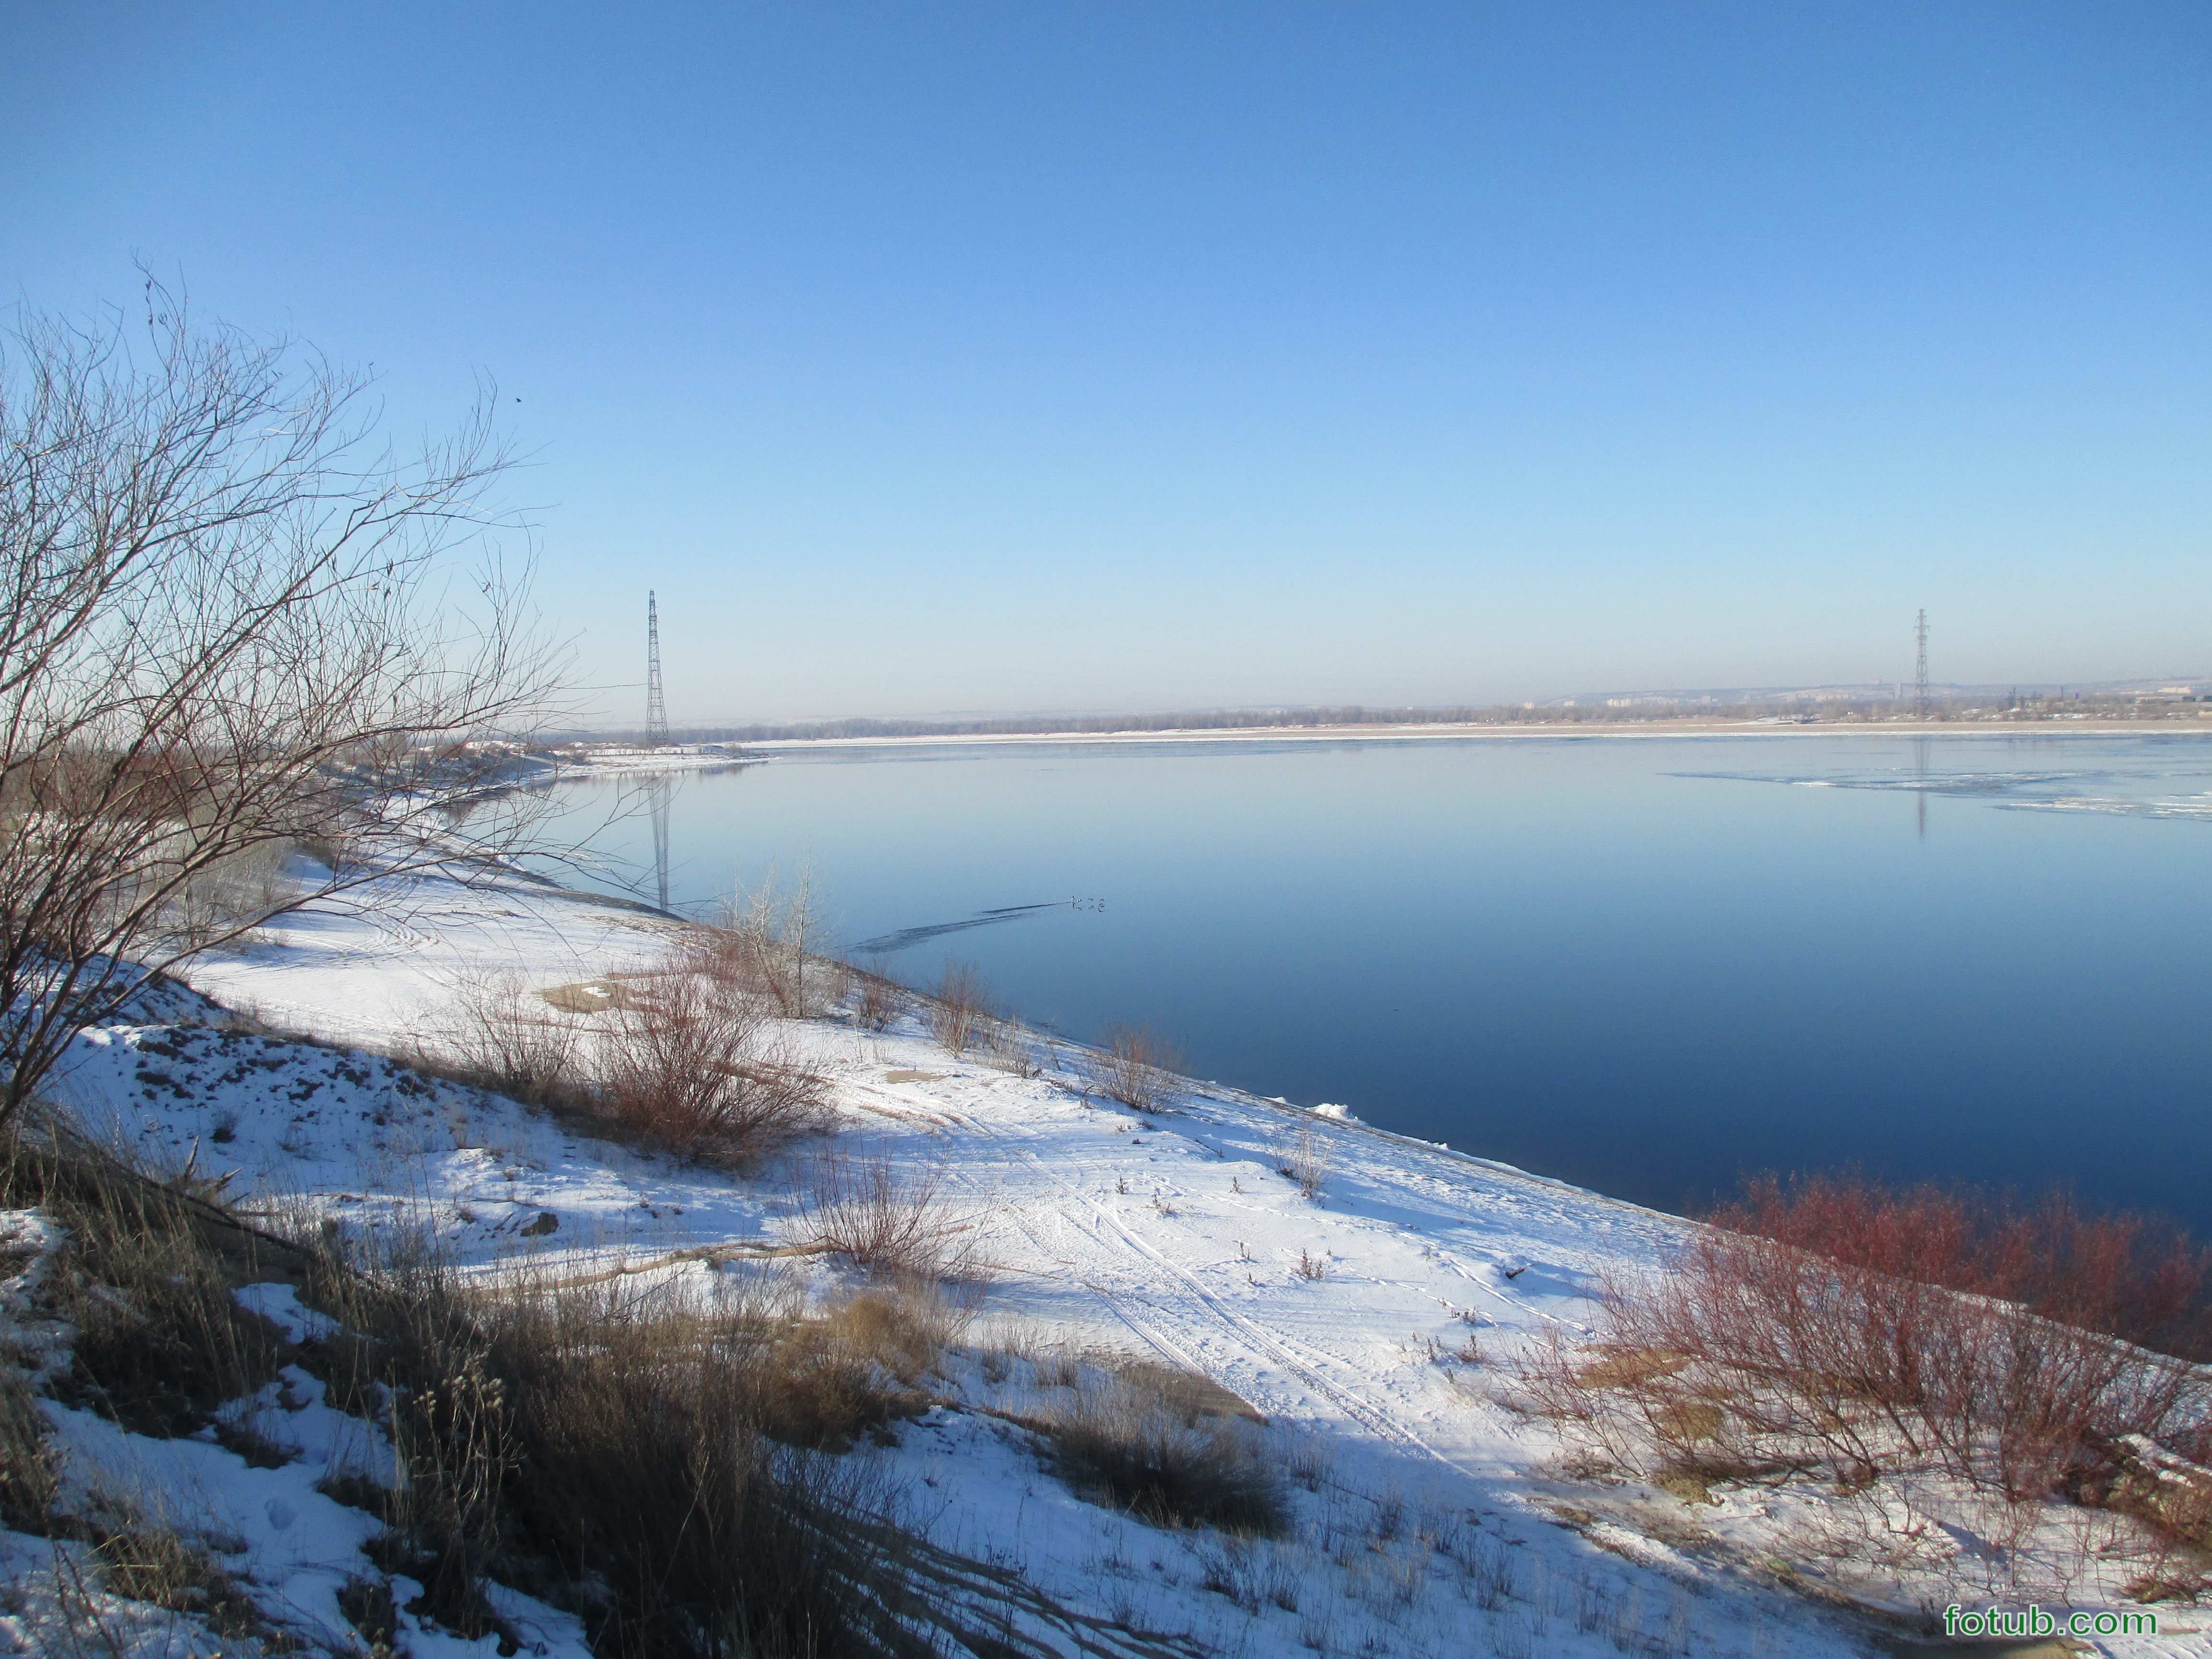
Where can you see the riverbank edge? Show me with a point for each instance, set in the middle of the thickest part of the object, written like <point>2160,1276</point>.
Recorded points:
<point>1416,733</point>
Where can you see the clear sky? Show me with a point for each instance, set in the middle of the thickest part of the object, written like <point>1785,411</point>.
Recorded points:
<point>1049,355</point>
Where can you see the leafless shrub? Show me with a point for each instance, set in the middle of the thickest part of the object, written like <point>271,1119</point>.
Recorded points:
<point>1127,1444</point>
<point>860,1206</point>
<point>329,847</point>
<point>764,941</point>
<point>509,1040</point>
<point>1010,1046</point>
<point>837,984</point>
<point>1306,1156</point>
<point>2170,1494</point>
<point>2127,1275</point>
<point>959,1009</point>
<point>878,1000</point>
<point>242,890</point>
<point>1748,1356</point>
<point>694,1071</point>
<point>722,951</point>
<point>1136,1067</point>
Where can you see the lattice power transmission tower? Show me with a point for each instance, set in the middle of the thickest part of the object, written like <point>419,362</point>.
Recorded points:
<point>656,711</point>
<point>1920,678</point>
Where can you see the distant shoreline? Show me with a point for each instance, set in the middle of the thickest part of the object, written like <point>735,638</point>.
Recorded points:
<point>1691,728</point>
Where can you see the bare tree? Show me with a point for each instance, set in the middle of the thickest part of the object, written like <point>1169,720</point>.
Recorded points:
<point>232,619</point>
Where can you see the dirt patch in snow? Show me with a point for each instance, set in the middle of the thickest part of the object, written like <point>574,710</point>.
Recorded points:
<point>590,996</point>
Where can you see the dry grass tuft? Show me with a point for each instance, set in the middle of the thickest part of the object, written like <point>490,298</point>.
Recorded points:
<point>145,1272</point>
<point>145,1275</point>
<point>1136,1067</point>
<point>1051,1365</point>
<point>637,1457</point>
<point>1306,1156</point>
<point>1132,1445</point>
<point>618,1452</point>
<point>877,999</point>
<point>641,1459</point>
<point>512,1042</point>
<point>154,1564</point>
<point>858,1367</point>
<point>860,1206</point>
<point>29,1472</point>
<point>960,1009</point>
<point>694,1072</point>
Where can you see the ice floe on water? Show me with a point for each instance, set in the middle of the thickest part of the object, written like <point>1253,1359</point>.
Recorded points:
<point>2100,791</point>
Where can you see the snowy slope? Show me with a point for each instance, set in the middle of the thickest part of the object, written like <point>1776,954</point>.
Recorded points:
<point>1366,1324</point>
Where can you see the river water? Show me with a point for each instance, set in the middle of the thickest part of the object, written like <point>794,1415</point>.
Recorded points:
<point>1644,965</point>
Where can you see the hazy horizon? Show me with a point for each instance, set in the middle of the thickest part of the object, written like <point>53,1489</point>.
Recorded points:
<point>616,719</point>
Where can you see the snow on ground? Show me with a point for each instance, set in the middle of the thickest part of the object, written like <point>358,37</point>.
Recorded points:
<point>271,1528</point>
<point>601,760</point>
<point>1366,1325</point>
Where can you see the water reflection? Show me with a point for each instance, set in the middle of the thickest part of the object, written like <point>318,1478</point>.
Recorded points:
<point>658,788</point>
<point>1920,795</point>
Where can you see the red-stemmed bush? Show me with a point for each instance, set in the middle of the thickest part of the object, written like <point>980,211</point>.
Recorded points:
<point>1831,1325</point>
<point>695,1070</point>
<point>2122,1274</point>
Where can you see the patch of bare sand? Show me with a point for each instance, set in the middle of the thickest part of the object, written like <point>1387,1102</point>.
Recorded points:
<point>590,996</point>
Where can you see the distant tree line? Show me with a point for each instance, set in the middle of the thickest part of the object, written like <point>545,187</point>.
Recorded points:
<point>1213,719</point>
<point>1218,720</point>
<point>1948,704</point>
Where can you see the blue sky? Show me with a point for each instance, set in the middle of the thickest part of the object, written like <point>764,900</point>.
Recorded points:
<point>1016,356</point>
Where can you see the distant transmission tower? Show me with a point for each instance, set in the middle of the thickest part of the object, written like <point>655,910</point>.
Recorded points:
<point>656,711</point>
<point>1919,636</point>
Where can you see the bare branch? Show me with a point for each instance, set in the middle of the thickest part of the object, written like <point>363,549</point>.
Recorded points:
<point>232,618</point>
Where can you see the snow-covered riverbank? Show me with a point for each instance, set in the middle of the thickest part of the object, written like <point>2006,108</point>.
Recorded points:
<point>616,761</point>
<point>1371,1325</point>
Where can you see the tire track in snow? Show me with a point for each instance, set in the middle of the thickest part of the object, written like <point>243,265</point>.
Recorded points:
<point>1257,1345</point>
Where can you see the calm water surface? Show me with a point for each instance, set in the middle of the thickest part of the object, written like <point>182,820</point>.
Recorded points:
<point>1644,965</point>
